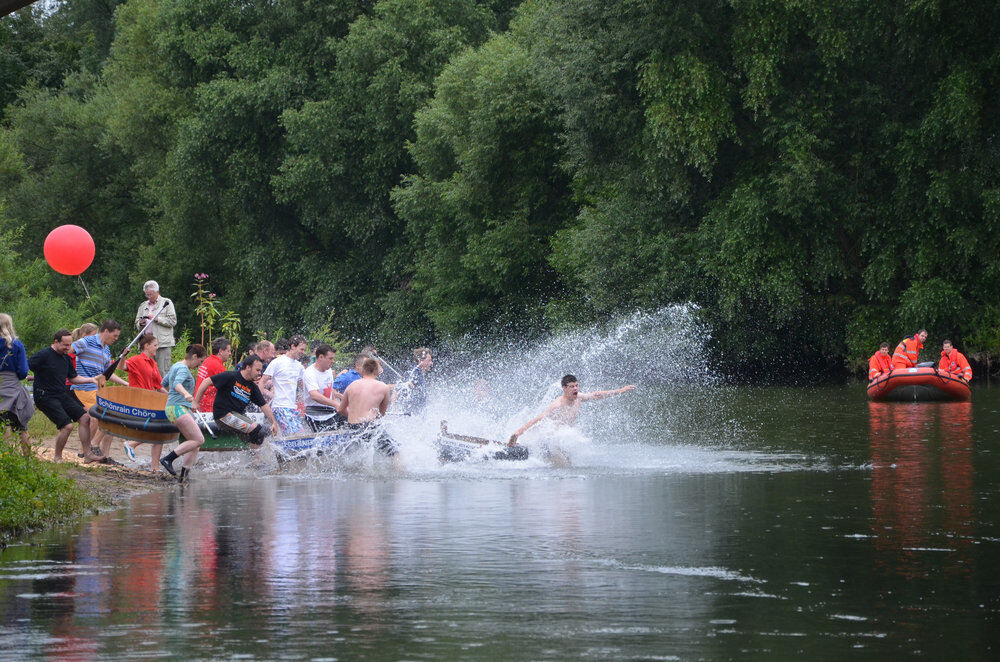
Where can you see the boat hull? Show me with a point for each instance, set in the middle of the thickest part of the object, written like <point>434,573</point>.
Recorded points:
<point>922,384</point>
<point>463,448</point>
<point>138,415</point>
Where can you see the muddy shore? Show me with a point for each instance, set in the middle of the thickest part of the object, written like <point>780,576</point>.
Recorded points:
<point>112,485</point>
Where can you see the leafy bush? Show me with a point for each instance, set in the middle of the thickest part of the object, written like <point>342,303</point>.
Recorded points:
<point>34,494</point>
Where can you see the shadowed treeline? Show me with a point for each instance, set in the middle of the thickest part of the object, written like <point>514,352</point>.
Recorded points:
<point>815,177</point>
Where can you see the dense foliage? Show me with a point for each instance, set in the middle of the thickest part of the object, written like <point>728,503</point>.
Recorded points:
<point>816,176</point>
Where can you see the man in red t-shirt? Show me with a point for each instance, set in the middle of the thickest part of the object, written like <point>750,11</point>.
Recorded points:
<point>143,372</point>
<point>222,349</point>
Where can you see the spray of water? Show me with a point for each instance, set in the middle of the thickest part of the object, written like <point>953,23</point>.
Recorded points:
<point>668,423</point>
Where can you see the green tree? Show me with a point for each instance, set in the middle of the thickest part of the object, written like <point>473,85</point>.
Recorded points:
<point>490,192</point>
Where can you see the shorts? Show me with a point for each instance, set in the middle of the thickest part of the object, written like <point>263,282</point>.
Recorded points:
<point>87,398</point>
<point>176,411</point>
<point>372,432</point>
<point>9,419</point>
<point>288,420</point>
<point>61,408</point>
<point>331,423</point>
<point>244,428</point>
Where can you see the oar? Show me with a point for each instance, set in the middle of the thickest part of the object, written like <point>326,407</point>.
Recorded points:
<point>466,438</point>
<point>198,416</point>
<point>378,358</point>
<point>111,369</point>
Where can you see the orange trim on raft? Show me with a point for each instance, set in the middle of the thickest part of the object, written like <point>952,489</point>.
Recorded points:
<point>914,384</point>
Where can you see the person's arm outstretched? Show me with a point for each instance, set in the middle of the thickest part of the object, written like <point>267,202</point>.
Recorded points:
<point>600,395</point>
<point>524,428</point>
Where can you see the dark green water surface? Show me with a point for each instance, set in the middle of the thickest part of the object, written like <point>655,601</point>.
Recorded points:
<point>730,524</point>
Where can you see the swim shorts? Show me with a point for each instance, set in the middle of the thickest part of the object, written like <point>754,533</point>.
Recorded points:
<point>373,432</point>
<point>61,408</point>
<point>288,420</point>
<point>176,411</point>
<point>87,398</point>
<point>248,430</point>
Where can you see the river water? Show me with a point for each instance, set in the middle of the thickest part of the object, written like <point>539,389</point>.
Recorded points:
<point>695,523</point>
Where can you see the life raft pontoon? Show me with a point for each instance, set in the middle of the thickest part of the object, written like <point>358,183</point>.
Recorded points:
<point>922,383</point>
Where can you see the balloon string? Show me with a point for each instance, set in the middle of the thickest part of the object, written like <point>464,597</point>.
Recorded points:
<point>84,286</point>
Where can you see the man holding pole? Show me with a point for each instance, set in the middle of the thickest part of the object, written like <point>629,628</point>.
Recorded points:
<point>93,358</point>
<point>163,324</point>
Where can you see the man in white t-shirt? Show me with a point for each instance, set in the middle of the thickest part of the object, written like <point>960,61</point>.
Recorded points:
<point>283,375</point>
<point>321,398</point>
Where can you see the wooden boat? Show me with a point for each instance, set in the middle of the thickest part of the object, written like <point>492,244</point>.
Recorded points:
<point>463,448</point>
<point>135,414</point>
<point>922,383</point>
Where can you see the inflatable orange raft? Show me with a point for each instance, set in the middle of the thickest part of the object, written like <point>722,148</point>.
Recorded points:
<point>918,384</point>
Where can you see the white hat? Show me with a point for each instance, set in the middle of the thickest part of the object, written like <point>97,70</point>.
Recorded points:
<point>150,285</point>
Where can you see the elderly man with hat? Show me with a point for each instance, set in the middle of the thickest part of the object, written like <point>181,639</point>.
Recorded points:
<point>162,327</point>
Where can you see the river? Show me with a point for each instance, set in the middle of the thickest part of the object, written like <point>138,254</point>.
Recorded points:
<point>726,523</point>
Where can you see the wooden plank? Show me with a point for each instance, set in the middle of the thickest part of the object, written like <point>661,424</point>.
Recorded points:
<point>466,438</point>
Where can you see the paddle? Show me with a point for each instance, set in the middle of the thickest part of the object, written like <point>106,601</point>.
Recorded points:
<point>114,365</point>
<point>378,358</point>
<point>463,437</point>
<point>199,417</point>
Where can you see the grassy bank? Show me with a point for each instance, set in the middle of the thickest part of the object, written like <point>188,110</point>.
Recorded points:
<point>34,493</point>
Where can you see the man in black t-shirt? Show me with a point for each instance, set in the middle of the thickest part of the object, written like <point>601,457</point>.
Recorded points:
<point>52,367</point>
<point>235,390</point>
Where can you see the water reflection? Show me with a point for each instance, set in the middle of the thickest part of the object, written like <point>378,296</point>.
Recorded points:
<point>922,466</point>
<point>878,542</point>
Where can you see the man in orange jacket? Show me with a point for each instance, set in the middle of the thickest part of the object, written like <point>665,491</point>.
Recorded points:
<point>879,363</point>
<point>908,350</point>
<point>954,362</point>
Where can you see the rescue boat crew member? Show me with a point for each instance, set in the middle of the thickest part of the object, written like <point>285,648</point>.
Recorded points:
<point>908,350</point>
<point>954,362</point>
<point>880,362</point>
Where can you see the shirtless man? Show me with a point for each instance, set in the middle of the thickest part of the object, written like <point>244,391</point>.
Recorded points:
<point>364,401</point>
<point>565,408</point>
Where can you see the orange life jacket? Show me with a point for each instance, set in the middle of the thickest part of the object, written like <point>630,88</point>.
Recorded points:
<point>907,352</point>
<point>956,364</point>
<point>878,364</point>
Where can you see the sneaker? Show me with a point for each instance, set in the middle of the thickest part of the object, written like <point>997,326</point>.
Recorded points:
<point>130,452</point>
<point>169,466</point>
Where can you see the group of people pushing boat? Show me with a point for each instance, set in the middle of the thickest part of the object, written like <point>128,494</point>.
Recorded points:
<point>274,388</point>
<point>906,355</point>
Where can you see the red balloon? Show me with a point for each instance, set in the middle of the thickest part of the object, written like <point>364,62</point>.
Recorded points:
<point>69,249</point>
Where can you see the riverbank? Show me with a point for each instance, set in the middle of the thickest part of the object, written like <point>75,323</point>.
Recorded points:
<point>39,493</point>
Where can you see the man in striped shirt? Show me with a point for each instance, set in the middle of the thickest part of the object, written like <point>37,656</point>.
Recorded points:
<point>93,356</point>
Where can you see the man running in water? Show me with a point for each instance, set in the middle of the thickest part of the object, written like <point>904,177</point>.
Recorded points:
<point>366,400</point>
<point>565,408</point>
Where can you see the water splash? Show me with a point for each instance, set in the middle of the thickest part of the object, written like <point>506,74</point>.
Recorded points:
<point>671,422</point>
